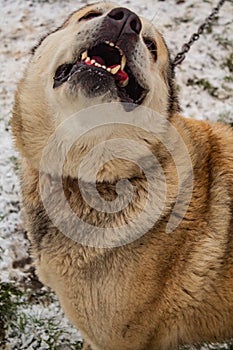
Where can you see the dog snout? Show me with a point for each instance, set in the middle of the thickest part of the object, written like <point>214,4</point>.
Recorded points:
<point>125,21</point>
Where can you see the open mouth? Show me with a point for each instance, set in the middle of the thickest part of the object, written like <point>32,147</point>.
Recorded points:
<point>111,60</point>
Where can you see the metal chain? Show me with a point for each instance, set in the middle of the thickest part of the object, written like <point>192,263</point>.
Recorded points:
<point>186,47</point>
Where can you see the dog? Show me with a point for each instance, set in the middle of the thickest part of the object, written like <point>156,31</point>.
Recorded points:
<point>128,206</point>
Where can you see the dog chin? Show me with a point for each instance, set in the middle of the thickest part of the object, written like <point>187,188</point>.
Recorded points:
<point>93,86</point>
<point>90,89</point>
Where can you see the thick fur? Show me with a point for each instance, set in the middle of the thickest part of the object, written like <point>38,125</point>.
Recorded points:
<point>161,290</point>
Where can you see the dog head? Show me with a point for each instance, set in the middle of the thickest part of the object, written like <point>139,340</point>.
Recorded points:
<point>102,53</point>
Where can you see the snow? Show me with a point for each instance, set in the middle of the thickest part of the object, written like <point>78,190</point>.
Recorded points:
<point>23,22</point>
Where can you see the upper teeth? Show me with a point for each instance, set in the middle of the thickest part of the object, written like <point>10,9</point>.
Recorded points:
<point>123,62</point>
<point>84,55</point>
<point>114,70</point>
<point>124,83</point>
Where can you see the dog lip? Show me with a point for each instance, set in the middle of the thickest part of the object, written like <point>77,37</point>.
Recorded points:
<point>125,62</point>
<point>122,52</point>
<point>108,52</point>
<point>130,90</point>
<point>132,93</point>
<point>121,58</point>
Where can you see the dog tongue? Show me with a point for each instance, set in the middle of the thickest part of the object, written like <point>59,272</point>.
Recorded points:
<point>121,76</point>
<point>99,60</point>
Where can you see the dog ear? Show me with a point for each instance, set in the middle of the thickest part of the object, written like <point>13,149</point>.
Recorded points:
<point>173,101</point>
<point>33,50</point>
<point>31,124</point>
<point>16,123</point>
<point>168,73</point>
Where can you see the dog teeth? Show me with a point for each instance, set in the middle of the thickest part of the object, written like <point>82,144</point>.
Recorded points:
<point>84,55</point>
<point>96,64</point>
<point>115,70</point>
<point>119,49</point>
<point>123,62</point>
<point>116,47</point>
<point>124,83</point>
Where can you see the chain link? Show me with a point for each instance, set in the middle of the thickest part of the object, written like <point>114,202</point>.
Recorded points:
<point>186,47</point>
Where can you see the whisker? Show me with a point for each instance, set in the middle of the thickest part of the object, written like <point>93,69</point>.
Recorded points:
<point>154,17</point>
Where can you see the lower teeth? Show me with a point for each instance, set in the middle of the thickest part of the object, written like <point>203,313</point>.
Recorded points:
<point>114,70</point>
<point>123,83</point>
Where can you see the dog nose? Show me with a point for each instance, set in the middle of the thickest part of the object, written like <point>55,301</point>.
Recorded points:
<point>126,21</point>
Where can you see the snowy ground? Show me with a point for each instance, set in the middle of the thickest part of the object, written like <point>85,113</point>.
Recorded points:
<point>206,91</point>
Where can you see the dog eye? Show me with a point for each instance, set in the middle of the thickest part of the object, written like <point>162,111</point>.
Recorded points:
<point>151,47</point>
<point>90,15</point>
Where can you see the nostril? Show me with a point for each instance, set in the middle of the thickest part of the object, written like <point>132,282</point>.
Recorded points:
<point>126,20</point>
<point>136,25</point>
<point>118,16</point>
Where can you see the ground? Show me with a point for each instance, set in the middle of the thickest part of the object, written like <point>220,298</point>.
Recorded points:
<point>30,316</point>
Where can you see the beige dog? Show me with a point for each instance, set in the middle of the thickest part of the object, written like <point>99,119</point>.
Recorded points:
<point>96,121</point>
